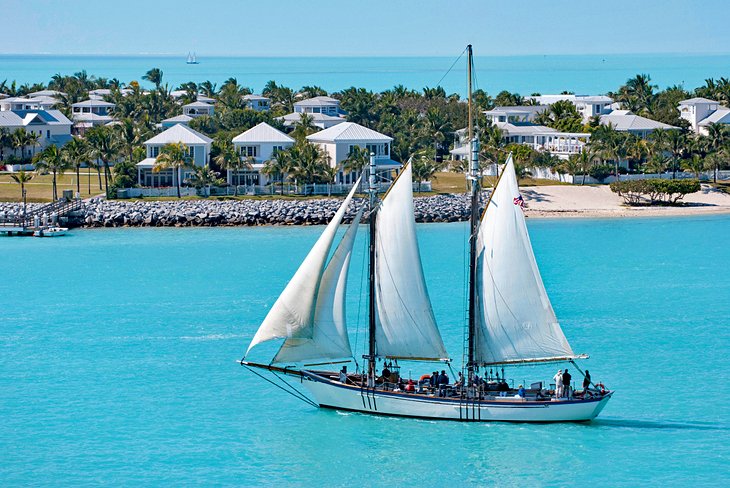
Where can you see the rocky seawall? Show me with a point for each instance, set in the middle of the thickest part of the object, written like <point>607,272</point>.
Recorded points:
<point>188,213</point>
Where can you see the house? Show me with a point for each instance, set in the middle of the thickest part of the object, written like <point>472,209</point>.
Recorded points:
<point>260,143</point>
<point>198,145</point>
<point>627,121</point>
<point>588,105</point>
<point>179,119</point>
<point>337,142</point>
<point>47,94</point>
<point>319,105</point>
<point>519,113</point>
<point>91,113</point>
<point>196,109</point>
<point>51,127</point>
<point>27,103</point>
<point>100,93</point>
<point>701,112</point>
<point>322,121</point>
<point>257,102</point>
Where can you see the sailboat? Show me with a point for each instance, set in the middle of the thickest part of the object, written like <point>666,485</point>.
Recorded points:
<point>510,318</point>
<point>192,59</point>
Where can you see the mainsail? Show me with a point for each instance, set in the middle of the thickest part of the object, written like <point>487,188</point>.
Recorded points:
<point>516,322</point>
<point>405,324</point>
<point>293,312</point>
<point>328,339</point>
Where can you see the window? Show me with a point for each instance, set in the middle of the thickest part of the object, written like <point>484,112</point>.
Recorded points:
<point>154,151</point>
<point>48,134</point>
<point>276,150</point>
<point>249,151</point>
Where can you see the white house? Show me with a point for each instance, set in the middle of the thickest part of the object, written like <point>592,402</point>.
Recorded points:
<point>51,127</point>
<point>196,109</point>
<point>519,113</point>
<point>179,119</point>
<point>27,103</point>
<point>701,112</point>
<point>588,105</point>
<point>100,93</point>
<point>257,102</point>
<point>319,105</point>
<point>323,121</point>
<point>627,121</point>
<point>47,93</point>
<point>91,113</point>
<point>198,145</point>
<point>338,141</point>
<point>261,143</point>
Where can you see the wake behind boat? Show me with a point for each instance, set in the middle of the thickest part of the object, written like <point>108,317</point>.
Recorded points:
<point>511,321</point>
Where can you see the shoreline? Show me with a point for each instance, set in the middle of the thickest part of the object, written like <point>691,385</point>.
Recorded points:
<point>543,202</point>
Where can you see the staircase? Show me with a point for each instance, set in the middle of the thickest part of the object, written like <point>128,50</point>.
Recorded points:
<point>23,222</point>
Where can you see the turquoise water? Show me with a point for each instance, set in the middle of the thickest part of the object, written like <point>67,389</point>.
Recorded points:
<point>118,350</point>
<point>589,74</point>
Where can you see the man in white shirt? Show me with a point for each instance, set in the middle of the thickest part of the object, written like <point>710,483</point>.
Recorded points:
<point>558,384</point>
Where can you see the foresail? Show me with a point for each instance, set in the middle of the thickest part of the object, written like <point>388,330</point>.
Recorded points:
<point>405,324</point>
<point>293,311</point>
<point>329,337</point>
<point>516,320</point>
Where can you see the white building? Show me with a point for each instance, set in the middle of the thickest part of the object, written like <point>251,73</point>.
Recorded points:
<point>588,105</point>
<point>27,103</point>
<point>701,112</point>
<point>627,121</point>
<point>322,121</point>
<point>518,113</point>
<point>100,93</point>
<point>257,102</point>
<point>91,113</point>
<point>261,143</point>
<point>198,145</point>
<point>179,119</point>
<point>338,141</point>
<point>196,109</point>
<point>320,105</point>
<point>51,127</point>
<point>47,93</point>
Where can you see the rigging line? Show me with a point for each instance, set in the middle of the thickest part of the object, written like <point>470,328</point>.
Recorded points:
<point>295,391</point>
<point>306,400</point>
<point>360,295</point>
<point>452,67</point>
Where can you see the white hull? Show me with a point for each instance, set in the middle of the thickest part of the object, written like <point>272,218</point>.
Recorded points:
<point>331,394</point>
<point>51,232</point>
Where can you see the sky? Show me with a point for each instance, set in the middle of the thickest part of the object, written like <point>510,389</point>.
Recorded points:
<point>364,27</point>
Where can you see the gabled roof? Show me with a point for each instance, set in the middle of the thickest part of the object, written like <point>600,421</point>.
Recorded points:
<point>46,93</point>
<point>696,100</point>
<point>525,129</point>
<point>317,102</point>
<point>198,104</point>
<point>20,118</point>
<point>719,116</point>
<point>348,132</point>
<point>93,103</point>
<point>316,117</point>
<point>263,132</point>
<point>255,97</point>
<point>179,118</point>
<point>180,133</point>
<point>625,120</point>
<point>521,109</point>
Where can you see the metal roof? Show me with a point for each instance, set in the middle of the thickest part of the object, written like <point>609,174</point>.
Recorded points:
<point>263,132</point>
<point>624,120</point>
<point>317,102</point>
<point>180,133</point>
<point>348,132</point>
<point>695,100</point>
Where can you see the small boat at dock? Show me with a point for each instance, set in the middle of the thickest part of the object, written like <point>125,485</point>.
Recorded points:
<point>50,232</point>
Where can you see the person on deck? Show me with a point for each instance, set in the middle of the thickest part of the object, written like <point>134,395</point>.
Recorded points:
<point>587,380</point>
<point>410,387</point>
<point>566,383</point>
<point>521,392</point>
<point>435,380</point>
<point>459,381</point>
<point>443,383</point>
<point>343,374</point>
<point>558,378</point>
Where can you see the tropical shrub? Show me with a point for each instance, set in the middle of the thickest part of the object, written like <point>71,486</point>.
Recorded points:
<point>654,191</point>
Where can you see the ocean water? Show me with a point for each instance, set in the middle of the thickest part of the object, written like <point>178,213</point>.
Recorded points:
<point>118,353</point>
<point>586,74</point>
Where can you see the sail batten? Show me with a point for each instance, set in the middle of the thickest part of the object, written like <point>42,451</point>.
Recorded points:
<point>405,324</point>
<point>516,321</point>
<point>293,312</point>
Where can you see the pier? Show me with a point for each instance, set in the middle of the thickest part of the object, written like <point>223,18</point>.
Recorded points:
<point>40,218</point>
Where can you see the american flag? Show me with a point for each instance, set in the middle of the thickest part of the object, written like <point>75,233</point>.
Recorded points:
<point>519,201</point>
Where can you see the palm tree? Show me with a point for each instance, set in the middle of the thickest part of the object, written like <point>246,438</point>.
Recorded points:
<point>175,156</point>
<point>695,164</point>
<point>424,167</point>
<point>76,152</point>
<point>18,140</point>
<point>231,160</point>
<point>278,167</point>
<point>204,177</point>
<point>21,178</point>
<point>104,146</point>
<point>154,76</point>
<point>51,159</point>
<point>585,161</point>
<point>33,140</point>
<point>656,164</point>
<point>718,136</point>
<point>304,127</point>
<point>357,160</point>
<point>307,162</point>
<point>208,88</point>
<point>677,147</point>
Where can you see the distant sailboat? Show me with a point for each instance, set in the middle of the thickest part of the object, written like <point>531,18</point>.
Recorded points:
<point>511,320</point>
<point>192,59</point>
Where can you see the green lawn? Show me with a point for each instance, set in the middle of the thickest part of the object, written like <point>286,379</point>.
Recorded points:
<point>40,188</point>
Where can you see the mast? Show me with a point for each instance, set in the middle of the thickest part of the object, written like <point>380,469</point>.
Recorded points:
<point>473,176</point>
<point>372,189</point>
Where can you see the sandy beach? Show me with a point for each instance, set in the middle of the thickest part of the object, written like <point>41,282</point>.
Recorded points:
<point>600,201</point>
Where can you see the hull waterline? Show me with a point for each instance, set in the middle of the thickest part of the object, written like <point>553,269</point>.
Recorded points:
<point>335,395</point>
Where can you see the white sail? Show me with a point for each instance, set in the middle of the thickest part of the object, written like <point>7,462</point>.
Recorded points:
<point>405,325</point>
<point>329,337</point>
<point>516,320</point>
<point>293,311</point>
